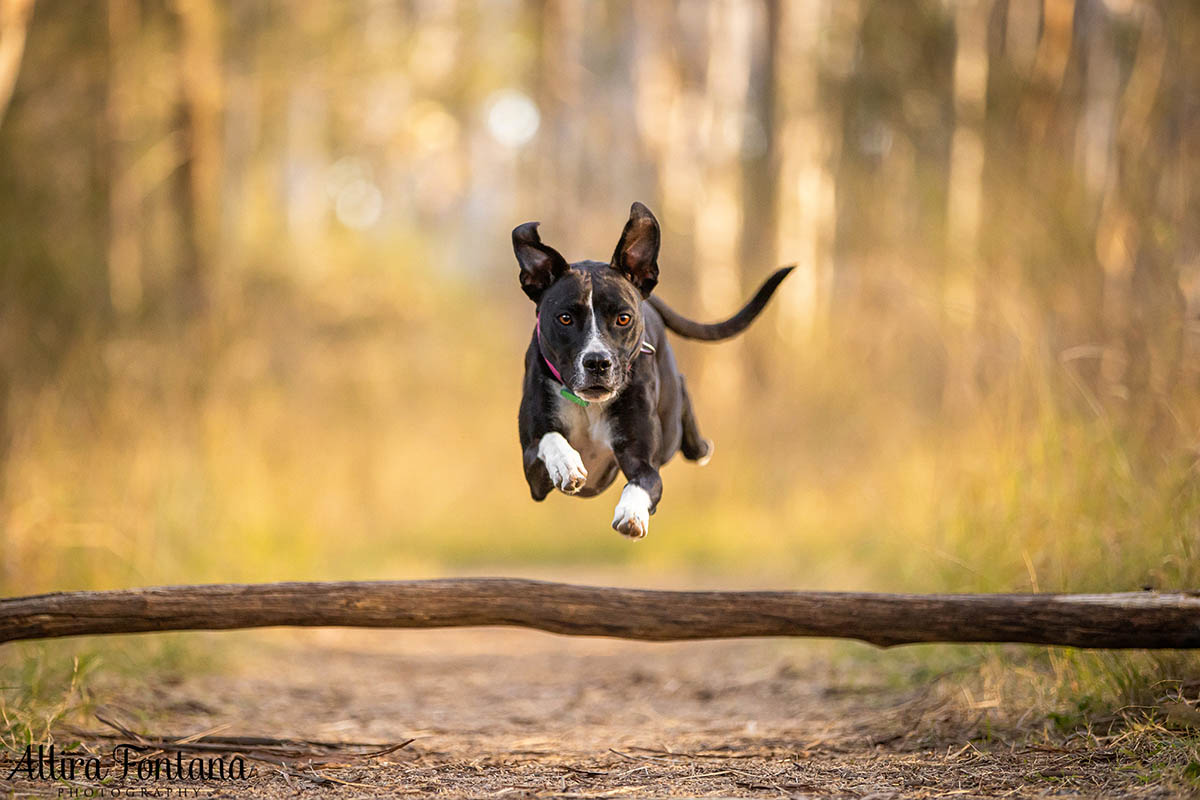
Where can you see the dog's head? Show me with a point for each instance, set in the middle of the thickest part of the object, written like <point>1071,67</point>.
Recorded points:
<point>589,312</point>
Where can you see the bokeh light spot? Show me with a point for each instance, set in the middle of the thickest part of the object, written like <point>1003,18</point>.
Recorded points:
<point>512,118</point>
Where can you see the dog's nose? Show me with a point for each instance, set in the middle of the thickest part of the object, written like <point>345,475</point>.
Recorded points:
<point>597,363</point>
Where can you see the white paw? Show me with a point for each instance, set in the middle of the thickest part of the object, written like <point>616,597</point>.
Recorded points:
<point>566,469</point>
<point>704,459</point>
<point>632,517</point>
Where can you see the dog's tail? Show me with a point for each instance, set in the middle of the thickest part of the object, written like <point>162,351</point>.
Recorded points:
<point>716,331</point>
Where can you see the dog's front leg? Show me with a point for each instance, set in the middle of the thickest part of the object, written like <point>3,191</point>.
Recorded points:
<point>551,463</point>
<point>641,494</point>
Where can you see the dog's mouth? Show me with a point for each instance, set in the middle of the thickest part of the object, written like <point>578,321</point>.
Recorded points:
<point>595,393</point>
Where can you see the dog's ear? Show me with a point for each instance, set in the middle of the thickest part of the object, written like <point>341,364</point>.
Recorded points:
<point>540,264</point>
<point>636,256</point>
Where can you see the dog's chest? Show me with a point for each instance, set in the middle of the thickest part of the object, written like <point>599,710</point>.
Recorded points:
<point>589,432</point>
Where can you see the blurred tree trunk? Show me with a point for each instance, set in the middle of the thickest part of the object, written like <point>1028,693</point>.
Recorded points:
<point>242,113</point>
<point>1012,40</point>
<point>718,210</point>
<point>198,183</point>
<point>1157,175</point>
<point>760,157</point>
<point>125,279</point>
<point>666,106</point>
<point>806,124</point>
<point>761,173</point>
<point>1067,275</point>
<point>965,197</point>
<point>560,92</point>
<point>14,25</point>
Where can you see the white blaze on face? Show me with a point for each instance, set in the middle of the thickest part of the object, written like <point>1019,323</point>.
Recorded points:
<point>593,345</point>
<point>632,516</point>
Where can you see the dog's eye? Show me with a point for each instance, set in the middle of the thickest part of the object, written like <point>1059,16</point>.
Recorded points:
<point>624,319</point>
<point>565,319</point>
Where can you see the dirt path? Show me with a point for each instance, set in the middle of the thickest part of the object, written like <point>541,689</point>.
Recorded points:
<point>508,713</point>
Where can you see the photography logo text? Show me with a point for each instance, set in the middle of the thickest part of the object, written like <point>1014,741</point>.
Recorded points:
<point>130,770</point>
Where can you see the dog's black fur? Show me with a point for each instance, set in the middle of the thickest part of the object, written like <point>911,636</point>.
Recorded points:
<point>593,318</point>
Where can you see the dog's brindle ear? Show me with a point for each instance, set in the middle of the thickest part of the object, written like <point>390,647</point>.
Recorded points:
<point>636,256</point>
<point>541,264</point>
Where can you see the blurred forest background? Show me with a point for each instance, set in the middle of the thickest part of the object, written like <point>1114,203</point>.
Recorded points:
<point>259,315</point>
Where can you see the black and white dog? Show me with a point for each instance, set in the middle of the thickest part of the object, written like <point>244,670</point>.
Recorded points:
<point>602,391</point>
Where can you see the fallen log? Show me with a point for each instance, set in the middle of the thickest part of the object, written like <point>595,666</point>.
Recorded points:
<point>1129,620</point>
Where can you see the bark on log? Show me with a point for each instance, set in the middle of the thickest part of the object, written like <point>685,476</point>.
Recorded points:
<point>1140,619</point>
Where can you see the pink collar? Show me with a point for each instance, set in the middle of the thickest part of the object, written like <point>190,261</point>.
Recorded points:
<point>542,350</point>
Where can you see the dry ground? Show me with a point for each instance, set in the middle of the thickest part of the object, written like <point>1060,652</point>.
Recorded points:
<point>509,713</point>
